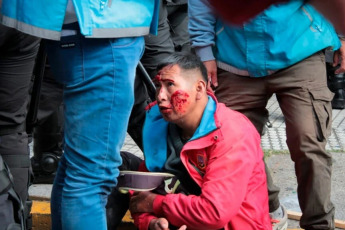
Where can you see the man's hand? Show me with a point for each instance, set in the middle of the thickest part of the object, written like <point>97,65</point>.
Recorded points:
<point>339,58</point>
<point>142,202</point>
<point>162,224</point>
<point>211,67</point>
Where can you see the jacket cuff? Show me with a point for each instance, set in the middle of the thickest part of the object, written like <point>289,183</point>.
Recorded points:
<point>158,205</point>
<point>145,224</point>
<point>205,53</point>
<point>142,221</point>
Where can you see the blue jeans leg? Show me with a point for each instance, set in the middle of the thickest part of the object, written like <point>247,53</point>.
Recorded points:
<point>98,75</point>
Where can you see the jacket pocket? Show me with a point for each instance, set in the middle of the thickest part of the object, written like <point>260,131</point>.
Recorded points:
<point>322,109</point>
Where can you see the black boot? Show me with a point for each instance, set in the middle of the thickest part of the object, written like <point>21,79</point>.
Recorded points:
<point>47,148</point>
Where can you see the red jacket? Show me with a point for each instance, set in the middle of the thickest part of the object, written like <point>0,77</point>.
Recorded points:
<point>226,149</point>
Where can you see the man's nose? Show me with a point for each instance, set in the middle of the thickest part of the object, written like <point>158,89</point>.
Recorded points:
<point>161,94</point>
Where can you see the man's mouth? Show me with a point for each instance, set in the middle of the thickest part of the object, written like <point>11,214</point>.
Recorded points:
<point>165,109</point>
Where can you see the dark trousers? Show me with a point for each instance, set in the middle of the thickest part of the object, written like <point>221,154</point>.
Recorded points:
<point>118,203</point>
<point>172,36</point>
<point>47,128</point>
<point>17,58</point>
<point>305,101</point>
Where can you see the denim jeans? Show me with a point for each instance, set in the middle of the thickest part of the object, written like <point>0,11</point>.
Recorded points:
<point>98,77</point>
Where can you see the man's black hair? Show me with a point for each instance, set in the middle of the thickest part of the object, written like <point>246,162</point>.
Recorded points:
<point>186,61</point>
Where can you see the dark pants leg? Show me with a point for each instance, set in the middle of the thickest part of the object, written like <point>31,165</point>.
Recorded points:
<point>178,21</point>
<point>305,101</point>
<point>160,46</point>
<point>118,203</point>
<point>17,58</point>
<point>48,129</point>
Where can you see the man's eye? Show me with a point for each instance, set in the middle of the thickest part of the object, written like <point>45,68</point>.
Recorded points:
<point>170,83</point>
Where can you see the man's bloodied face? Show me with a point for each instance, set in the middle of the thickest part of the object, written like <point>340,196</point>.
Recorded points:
<point>175,93</point>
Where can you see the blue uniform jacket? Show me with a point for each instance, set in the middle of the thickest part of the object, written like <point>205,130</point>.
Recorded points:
<point>97,18</point>
<point>279,37</point>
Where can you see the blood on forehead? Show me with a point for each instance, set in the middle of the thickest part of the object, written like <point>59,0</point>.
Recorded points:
<point>157,78</point>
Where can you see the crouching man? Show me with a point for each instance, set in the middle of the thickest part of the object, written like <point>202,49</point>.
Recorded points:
<point>213,151</point>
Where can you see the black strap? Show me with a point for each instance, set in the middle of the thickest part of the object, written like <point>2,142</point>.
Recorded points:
<point>38,74</point>
<point>151,88</point>
<point>6,186</point>
<point>28,215</point>
<point>5,180</point>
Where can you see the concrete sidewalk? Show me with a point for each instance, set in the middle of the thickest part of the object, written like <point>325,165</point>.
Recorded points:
<point>280,164</point>
<point>283,174</point>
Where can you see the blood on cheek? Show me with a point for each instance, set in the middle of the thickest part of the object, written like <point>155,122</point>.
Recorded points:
<point>179,101</point>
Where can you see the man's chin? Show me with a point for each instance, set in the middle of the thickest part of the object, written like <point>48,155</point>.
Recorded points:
<point>169,117</point>
<point>166,117</point>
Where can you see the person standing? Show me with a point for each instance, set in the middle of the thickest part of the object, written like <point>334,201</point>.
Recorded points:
<point>18,52</point>
<point>279,51</point>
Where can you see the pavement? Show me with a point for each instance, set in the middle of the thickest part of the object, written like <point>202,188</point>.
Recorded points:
<point>279,162</point>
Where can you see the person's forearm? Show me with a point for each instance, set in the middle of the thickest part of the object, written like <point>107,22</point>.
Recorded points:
<point>201,24</point>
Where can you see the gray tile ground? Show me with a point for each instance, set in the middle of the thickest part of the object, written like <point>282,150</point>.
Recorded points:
<point>131,147</point>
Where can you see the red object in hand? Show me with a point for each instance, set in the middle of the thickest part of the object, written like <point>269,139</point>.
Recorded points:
<point>240,11</point>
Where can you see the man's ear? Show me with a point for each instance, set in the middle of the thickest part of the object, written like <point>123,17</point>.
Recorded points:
<point>200,89</point>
